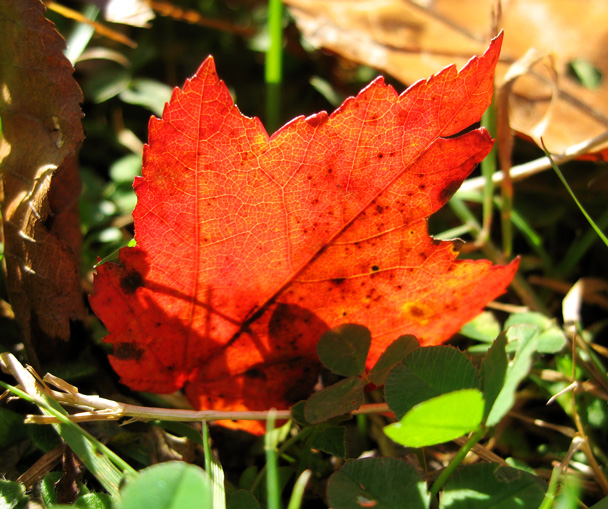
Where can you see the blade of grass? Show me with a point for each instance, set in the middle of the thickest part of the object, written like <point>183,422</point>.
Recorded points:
<point>597,230</point>
<point>215,471</point>
<point>272,474</point>
<point>99,28</point>
<point>300,437</point>
<point>114,254</point>
<point>488,168</point>
<point>298,490</point>
<point>81,35</point>
<point>274,65</point>
<point>452,233</point>
<point>99,459</point>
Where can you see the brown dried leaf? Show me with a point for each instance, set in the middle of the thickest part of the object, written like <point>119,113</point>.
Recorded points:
<point>39,107</point>
<point>409,40</point>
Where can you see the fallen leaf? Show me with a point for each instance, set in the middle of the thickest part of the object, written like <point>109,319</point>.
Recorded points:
<point>128,12</point>
<point>410,39</point>
<point>249,247</point>
<point>41,132</point>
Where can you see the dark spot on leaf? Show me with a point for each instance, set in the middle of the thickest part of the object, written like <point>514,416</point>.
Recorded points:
<point>255,374</point>
<point>416,311</point>
<point>375,268</point>
<point>131,282</point>
<point>127,351</point>
<point>448,191</point>
<point>314,202</point>
<point>338,280</point>
<point>380,155</point>
<point>379,209</point>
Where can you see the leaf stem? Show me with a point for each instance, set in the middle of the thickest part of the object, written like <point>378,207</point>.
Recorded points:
<point>585,444</point>
<point>557,474</point>
<point>106,410</point>
<point>460,455</point>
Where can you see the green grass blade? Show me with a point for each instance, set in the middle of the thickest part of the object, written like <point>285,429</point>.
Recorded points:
<point>114,254</point>
<point>82,34</point>
<point>215,471</point>
<point>298,490</point>
<point>488,168</point>
<point>597,230</point>
<point>272,474</point>
<point>274,65</point>
<point>98,459</point>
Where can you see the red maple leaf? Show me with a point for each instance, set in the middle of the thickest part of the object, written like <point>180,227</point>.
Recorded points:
<point>250,247</point>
